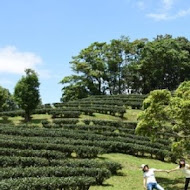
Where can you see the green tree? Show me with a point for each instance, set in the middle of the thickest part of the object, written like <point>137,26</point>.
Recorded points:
<point>91,66</point>
<point>164,63</point>
<point>76,88</point>
<point>100,69</point>
<point>118,54</point>
<point>7,102</point>
<point>131,71</point>
<point>27,93</point>
<point>166,113</point>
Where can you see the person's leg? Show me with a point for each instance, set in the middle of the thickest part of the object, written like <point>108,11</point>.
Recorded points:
<point>159,187</point>
<point>149,186</point>
<point>187,180</point>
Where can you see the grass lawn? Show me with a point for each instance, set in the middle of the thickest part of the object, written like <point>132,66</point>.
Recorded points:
<point>36,119</point>
<point>130,115</point>
<point>101,116</point>
<point>131,177</point>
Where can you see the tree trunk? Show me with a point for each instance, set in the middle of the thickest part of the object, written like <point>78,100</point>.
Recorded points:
<point>27,116</point>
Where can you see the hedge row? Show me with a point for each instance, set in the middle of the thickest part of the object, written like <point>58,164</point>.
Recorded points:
<point>90,128</point>
<point>108,143</point>
<point>7,161</point>
<point>58,113</point>
<point>71,121</point>
<point>49,154</point>
<point>81,151</point>
<point>98,174</point>
<point>110,123</point>
<point>36,183</point>
<point>41,132</point>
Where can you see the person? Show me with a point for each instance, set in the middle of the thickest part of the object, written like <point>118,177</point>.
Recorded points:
<point>149,180</point>
<point>185,168</point>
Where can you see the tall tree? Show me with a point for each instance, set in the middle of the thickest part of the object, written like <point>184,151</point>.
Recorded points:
<point>139,66</point>
<point>27,93</point>
<point>117,57</point>
<point>90,64</point>
<point>100,69</point>
<point>164,63</point>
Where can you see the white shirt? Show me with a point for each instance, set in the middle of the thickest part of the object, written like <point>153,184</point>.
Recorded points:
<point>150,176</point>
<point>186,171</point>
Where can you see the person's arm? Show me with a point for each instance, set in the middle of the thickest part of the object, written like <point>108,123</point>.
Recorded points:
<point>173,170</point>
<point>144,182</point>
<point>159,170</point>
<point>188,166</point>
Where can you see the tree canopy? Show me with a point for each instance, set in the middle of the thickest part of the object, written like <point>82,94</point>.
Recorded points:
<point>164,112</point>
<point>27,92</point>
<point>122,66</point>
<point>7,102</point>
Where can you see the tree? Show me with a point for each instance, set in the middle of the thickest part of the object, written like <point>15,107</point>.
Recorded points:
<point>90,64</point>
<point>164,63</point>
<point>166,113</point>
<point>76,88</point>
<point>118,55</point>
<point>100,69</point>
<point>123,66</point>
<point>27,93</point>
<point>7,102</point>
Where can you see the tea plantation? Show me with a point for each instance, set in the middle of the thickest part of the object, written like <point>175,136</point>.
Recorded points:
<point>85,144</point>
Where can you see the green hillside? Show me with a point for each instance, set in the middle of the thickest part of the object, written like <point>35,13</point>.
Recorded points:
<point>83,144</point>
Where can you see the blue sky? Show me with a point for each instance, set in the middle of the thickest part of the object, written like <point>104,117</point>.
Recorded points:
<point>45,34</point>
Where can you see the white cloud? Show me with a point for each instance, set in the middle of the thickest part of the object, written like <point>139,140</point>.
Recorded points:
<point>167,10</point>
<point>158,17</point>
<point>183,13</point>
<point>14,61</point>
<point>167,16</point>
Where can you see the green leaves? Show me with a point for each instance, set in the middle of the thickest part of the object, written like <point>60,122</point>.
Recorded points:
<point>27,92</point>
<point>7,102</point>
<point>101,69</point>
<point>162,112</point>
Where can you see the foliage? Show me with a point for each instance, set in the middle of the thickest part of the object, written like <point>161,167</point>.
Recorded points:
<point>162,112</point>
<point>27,93</point>
<point>7,102</point>
<point>123,66</point>
<point>100,69</point>
<point>164,64</point>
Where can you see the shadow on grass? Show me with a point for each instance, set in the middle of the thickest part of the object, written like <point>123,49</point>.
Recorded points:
<point>102,158</point>
<point>107,185</point>
<point>34,121</point>
<point>171,184</point>
<point>6,122</point>
<point>120,173</point>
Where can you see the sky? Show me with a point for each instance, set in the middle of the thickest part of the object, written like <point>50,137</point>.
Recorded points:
<point>45,34</point>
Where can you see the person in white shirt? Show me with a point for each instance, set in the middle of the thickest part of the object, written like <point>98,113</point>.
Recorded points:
<point>185,168</point>
<point>149,181</point>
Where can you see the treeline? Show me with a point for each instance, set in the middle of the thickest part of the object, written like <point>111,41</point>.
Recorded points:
<point>124,66</point>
